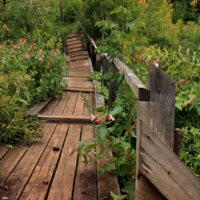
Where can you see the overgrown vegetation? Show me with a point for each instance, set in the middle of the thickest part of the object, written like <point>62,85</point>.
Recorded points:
<point>31,63</point>
<point>140,32</point>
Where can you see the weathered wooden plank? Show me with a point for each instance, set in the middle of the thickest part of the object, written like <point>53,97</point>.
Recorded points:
<point>72,46</point>
<point>73,36</point>
<point>11,159</point>
<point>69,109</point>
<point>164,169</point>
<point>98,97</point>
<point>75,79</point>
<point>158,114</point>
<point>67,118</point>
<point>76,50</point>
<point>78,58</point>
<point>73,42</point>
<point>78,54</point>
<point>138,88</point>
<point>51,106</point>
<point>144,189</point>
<point>62,185</point>
<point>79,89</point>
<point>19,177</point>
<point>86,173</point>
<point>61,105</point>
<point>89,100</point>
<point>36,189</point>
<point>162,92</point>
<point>3,149</point>
<point>38,107</point>
<point>78,111</point>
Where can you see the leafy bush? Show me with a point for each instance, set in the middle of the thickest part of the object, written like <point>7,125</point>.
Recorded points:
<point>28,75</point>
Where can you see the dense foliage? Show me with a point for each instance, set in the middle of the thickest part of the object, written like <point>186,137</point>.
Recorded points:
<point>140,32</point>
<point>32,63</point>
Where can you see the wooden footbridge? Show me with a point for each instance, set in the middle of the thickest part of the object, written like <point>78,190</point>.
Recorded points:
<point>45,170</point>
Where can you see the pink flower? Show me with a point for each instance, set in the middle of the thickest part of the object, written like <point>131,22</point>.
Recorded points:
<point>110,117</point>
<point>93,118</point>
<point>40,59</point>
<point>1,46</point>
<point>24,42</point>
<point>18,47</point>
<point>67,58</point>
<point>97,121</point>
<point>63,67</point>
<point>63,95</point>
<point>36,72</point>
<point>190,101</point>
<point>71,150</point>
<point>26,55</point>
<point>155,63</point>
<point>182,80</point>
<point>176,84</point>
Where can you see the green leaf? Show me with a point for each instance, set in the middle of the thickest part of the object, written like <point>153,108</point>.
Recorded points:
<point>88,148</point>
<point>103,131</point>
<point>101,171</point>
<point>118,109</point>
<point>117,197</point>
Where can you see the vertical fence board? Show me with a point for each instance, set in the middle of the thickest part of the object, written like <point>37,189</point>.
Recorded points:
<point>159,115</point>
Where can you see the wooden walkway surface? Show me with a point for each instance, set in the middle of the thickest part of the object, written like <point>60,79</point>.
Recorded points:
<point>45,170</point>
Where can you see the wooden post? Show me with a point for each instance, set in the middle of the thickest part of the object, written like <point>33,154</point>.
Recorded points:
<point>61,12</point>
<point>113,88</point>
<point>178,136</point>
<point>106,66</point>
<point>158,114</point>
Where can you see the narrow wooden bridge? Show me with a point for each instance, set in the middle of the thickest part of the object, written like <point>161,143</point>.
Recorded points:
<point>45,170</point>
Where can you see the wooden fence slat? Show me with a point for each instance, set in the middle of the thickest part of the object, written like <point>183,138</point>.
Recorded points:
<point>156,115</point>
<point>164,169</point>
<point>162,92</point>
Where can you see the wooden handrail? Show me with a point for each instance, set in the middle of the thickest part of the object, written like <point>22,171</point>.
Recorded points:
<point>139,89</point>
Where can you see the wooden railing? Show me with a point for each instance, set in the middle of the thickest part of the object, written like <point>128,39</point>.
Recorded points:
<point>160,174</point>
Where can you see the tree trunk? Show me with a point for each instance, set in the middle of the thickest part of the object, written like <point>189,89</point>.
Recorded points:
<point>102,11</point>
<point>61,12</point>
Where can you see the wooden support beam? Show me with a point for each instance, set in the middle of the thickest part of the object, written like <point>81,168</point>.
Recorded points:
<point>78,89</point>
<point>164,169</point>
<point>62,118</point>
<point>38,107</point>
<point>138,88</point>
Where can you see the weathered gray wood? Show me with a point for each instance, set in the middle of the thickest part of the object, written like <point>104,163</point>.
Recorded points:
<point>144,189</point>
<point>98,97</point>
<point>38,107</point>
<point>158,114</point>
<point>62,118</point>
<point>138,88</point>
<point>164,169</point>
<point>162,92</point>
